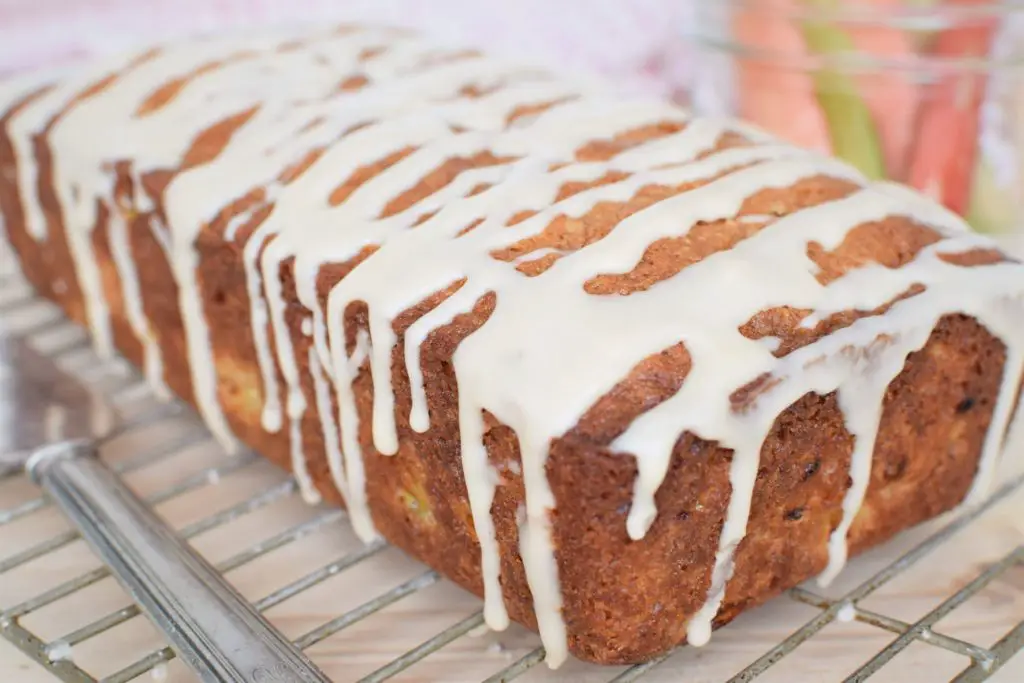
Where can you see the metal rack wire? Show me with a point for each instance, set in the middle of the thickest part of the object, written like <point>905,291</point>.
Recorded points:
<point>48,330</point>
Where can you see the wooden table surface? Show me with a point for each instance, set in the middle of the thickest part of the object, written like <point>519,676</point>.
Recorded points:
<point>831,655</point>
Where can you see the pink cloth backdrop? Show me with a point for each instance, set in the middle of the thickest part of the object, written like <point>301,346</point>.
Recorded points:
<point>635,43</point>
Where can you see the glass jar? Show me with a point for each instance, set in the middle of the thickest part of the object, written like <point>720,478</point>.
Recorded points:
<point>926,92</point>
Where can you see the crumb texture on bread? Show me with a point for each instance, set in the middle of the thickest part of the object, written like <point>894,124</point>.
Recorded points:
<point>621,371</point>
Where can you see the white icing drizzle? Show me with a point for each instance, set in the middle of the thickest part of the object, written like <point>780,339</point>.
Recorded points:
<point>128,274</point>
<point>352,452</point>
<point>13,93</point>
<point>30,120</point>
<point>325,412</point>
<point>549,350</point>
<point>307,487</point>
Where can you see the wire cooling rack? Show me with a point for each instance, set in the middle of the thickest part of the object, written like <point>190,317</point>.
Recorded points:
<point>367,613</point>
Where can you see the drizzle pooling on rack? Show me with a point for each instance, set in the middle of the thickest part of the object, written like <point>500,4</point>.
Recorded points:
<point>340,136</point>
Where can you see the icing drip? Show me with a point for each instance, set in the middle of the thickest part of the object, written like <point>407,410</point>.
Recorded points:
<point>29,121</point>
<point>330,430</point>
<point>537,550</point>
<point>861,399</point>
<point>533,364</point>
<point>477,469</point>
<point>128,274</point>
<point>299,468</point>
<point>352,452</point>
<point>185,264</point>
<point>19,92</point>
<point>90,282</point>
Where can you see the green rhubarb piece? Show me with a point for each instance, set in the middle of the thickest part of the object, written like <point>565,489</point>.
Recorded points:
<point>991,208</point>
<point>851,128</point>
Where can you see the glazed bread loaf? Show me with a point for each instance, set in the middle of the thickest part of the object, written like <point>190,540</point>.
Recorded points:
<point>622,372</point>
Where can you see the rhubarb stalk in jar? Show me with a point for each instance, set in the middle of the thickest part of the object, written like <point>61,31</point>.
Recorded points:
<point>925,92</point>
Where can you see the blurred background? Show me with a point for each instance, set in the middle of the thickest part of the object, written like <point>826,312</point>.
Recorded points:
<point>623,41</point>
<point>926,92</point>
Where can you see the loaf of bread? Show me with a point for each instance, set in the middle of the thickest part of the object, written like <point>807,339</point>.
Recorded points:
<point>622,372</point>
